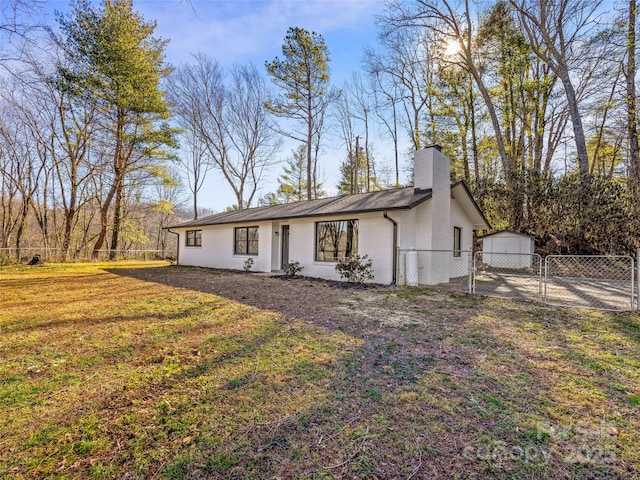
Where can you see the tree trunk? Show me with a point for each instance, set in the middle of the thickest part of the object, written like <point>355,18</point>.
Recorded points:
<point>115,191</point>
<point>395,146</point>
<point>21,225</point>
<point>576,121</point>
<point>493,115</point>
<point>632,116</point>
<point>104,222</point>
<point>474,138</point>
<point>195,206</point>
<point>356,164</point>
<point>117,218</point>
<point>69,217</point>
<point>309,147</point>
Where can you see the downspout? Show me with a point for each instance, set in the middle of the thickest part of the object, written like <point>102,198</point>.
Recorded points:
<point>178,244</point>
<point>395,247</point>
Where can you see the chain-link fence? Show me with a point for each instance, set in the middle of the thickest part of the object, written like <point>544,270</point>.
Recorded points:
<point>507,275</point>
<point>584,281</point>
<point>10,256</point>
<point>448,269</point>
<point>602,282</point>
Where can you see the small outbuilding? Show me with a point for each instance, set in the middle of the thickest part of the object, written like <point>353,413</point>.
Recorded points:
<point>508,249</point>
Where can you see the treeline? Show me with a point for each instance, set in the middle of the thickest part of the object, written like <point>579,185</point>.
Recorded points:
<point>535,102</point>
<point>85,138</point>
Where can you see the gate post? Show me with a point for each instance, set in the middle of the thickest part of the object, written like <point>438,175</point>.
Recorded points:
<point>637,289</point>
<point>546,277</point>
<point>470,269</point>
<point>473,272</point>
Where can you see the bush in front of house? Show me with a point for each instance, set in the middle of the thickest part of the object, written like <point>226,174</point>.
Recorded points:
<point>248,263</point>
<point>292,269</point>
<point>355,269</point>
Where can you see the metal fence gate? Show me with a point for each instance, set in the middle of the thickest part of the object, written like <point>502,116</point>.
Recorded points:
<point>603,282</point>
<point>507,275</point>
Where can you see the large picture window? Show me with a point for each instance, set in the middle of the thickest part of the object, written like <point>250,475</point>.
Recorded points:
<point>457,241</point>
<point>194,238</point>
<point>336,240</point>
<point>246,241</point>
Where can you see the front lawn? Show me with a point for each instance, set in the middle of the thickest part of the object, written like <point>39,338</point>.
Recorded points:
<point>144,370</point>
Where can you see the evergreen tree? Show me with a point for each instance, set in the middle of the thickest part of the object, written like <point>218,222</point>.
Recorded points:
<point>292,182</point>
<point>114,58</point>
<point>353,175</point>
<point>303,75</point>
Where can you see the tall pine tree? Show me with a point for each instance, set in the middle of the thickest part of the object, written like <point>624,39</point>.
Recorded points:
<point>303,76</point>
<point>113,57</point>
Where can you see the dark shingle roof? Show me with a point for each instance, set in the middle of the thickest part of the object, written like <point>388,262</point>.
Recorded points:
<point>395,199</point>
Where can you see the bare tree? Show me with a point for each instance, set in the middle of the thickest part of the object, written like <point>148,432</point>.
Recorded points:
<point>560,25</point>
<point>64,129</point>
<point>631,100</point>
<point>354,111</point>
<point>167,198</point>
<point>17,21</point>
<point>21,170</point>
<point>403,65</point>
<point>195,163</point>
<point>196,93</point>
<point>455,27</point>
<point>362,99</point>
<point>346,123</point>
<point>386,99</point>
<point>229,122</point>
<point>250,129</point>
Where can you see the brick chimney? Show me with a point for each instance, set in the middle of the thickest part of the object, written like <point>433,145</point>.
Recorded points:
<point>432,170</point>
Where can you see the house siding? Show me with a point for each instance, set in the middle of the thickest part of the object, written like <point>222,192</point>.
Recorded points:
<point>436,263</point>
<point>375,239</point>
<point>460,265</point>
<point>217,248</point>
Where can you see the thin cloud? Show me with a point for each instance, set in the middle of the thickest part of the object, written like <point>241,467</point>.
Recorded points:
<point>250,30</point>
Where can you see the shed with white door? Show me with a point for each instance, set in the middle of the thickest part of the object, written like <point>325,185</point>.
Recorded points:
<point>507,249</point>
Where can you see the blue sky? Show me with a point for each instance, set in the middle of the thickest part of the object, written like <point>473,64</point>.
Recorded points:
<point>243,31</point>
<point>253,31</point>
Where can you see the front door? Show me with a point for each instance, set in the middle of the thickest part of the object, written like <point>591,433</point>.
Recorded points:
<point>285,246</point>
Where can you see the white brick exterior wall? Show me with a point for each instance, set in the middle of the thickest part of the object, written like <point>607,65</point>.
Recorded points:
<point>428,226</point>
<point>217,248</point>
<point>460,265</point>
<point>375,239</point>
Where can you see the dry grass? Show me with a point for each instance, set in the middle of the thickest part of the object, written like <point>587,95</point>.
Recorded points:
<point>149,371</point>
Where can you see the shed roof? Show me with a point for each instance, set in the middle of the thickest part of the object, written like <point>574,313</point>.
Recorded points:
<point>383,200</point>
<point>509,232</point>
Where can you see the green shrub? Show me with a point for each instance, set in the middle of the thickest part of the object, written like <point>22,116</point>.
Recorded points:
<point>248,263</point>
<point>292,269</point>
<point>355,269</point>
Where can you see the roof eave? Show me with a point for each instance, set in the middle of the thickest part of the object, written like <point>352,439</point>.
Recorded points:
<point>295,217</point>
<point>485,225</point>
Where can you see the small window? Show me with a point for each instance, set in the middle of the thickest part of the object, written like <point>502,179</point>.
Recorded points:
<point>457,241</point>
<point>246,241</point>
<point>194,238</point>
<point>336,240</point>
